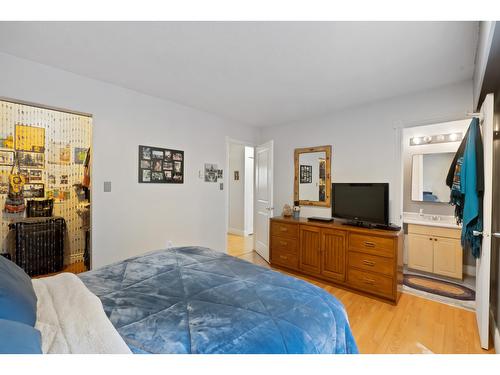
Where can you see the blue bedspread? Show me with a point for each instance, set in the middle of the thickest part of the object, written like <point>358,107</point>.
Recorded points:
<point>197,300</point>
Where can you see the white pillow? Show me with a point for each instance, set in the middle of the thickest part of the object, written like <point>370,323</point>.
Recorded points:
<point>72,320</point>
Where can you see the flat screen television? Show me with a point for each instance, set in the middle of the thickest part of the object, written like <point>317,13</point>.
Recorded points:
<point>361,203</point>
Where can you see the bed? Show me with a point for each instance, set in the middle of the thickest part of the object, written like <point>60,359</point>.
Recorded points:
<point>197,300</point>
<point>180,300</point>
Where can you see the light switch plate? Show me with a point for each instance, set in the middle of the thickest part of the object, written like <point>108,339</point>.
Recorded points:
<point>107,186</point>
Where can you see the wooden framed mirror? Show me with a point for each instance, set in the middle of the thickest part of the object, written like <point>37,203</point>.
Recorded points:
<point>312,184</point>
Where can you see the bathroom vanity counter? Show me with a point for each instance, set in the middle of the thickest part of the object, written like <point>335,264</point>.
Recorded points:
<point>442,221</point>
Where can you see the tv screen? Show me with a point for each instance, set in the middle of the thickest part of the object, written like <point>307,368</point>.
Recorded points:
<point>368,203</point>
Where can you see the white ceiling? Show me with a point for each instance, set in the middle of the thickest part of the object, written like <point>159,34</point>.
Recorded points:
<point>257,73</point>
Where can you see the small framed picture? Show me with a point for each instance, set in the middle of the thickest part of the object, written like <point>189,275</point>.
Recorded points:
<point>146,164</point>
<point>34,190</point>
<point>36,175</point>
<point>6,157</point>
<point>146,152</point>
<point>157,165</point>
<point>306,174</point>
<point>156,176</point>
<point>211,172</point>
<point>157,154</point>
<point>31,159</point>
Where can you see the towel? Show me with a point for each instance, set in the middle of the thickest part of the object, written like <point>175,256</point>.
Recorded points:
<point>466,180</point>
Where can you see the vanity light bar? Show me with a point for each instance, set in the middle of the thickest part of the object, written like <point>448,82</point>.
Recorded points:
<point>440,138</point>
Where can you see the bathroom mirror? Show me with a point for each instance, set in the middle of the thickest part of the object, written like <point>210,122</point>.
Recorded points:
<point>312,176</point>
<point>428,179</point>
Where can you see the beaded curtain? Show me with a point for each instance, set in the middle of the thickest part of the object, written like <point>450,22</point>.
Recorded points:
<point>67,138</point>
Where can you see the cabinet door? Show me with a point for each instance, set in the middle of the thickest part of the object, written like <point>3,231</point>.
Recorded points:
<point>448,257</point>
<point>421,252</point>
<point>310,257</point>
<point>333,251</point>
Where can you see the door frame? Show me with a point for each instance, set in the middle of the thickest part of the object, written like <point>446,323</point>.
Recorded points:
<point>231,141</point>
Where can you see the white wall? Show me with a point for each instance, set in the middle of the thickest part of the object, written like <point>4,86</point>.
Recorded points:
<point>236,189</point>
<point>365,144</point>
<point>135,218</point>
<point>249,196</point>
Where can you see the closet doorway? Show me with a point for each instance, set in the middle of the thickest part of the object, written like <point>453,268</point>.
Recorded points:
<point>240,187</point>
<point>45,180</point>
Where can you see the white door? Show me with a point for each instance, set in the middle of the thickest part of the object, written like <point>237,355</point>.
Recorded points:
<point>263,197</point>
<point>483,263</point>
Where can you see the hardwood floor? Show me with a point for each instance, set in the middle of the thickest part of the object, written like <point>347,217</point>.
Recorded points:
<point>239,245</point>
<point>77,267</point>
<point>415,325</point>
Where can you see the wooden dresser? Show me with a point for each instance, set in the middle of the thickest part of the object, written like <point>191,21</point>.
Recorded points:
<point>366,260</point>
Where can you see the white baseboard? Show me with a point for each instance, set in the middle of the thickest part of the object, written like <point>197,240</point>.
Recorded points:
<point>470,270</point>
<point>239,232</point>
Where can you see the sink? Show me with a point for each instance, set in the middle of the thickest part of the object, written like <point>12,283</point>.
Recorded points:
<point>446,221</point>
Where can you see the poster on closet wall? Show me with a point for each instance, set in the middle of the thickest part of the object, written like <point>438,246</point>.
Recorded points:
<point>161,165</point>
<point>6,157</point>
<point>31,159</point>
<point>29,138</point>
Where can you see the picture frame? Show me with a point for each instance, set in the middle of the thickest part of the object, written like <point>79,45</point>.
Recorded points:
<point>211,172</point>
<point>34,190</point>
<point>31,159</point>
<point>306,174</point>
<point>7,157</point>
<point>79,155</point>
<point>29,138</point>
<point>159,165</point>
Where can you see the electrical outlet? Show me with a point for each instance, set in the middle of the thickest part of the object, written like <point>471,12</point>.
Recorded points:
<point>107,186</point>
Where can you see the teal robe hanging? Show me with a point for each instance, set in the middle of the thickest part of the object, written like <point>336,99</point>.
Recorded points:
<point>472,187</point>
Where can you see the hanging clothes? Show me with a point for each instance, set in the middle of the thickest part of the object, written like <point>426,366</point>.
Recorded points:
<point>466,181</point>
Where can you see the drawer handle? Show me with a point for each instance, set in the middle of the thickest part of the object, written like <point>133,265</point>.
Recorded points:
<point>369,281</point>
<point>283,257</point>
<point>369,244</point>
<point>283,243</point>
<point>283,229</point>
<point>368,263</point>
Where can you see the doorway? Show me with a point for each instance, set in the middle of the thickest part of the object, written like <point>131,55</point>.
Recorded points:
<point>241,194</point>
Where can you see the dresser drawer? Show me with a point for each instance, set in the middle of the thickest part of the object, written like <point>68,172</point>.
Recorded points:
<point>370,282</point>
<point>284,244</point>
<point>371,244</point>
<point>284,259</point>
<point>371,263</point>
<point>284,230</point>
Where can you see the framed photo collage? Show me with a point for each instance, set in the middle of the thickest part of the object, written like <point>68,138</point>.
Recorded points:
<point>160,165</point>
